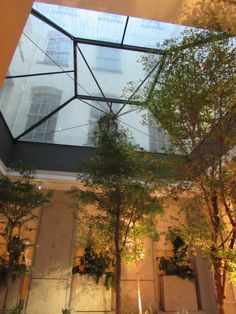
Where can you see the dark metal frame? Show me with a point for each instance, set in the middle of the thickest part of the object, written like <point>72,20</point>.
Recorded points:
<point>76,49</point>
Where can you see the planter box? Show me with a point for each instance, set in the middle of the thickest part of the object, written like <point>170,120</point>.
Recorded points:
<point>178,293</point>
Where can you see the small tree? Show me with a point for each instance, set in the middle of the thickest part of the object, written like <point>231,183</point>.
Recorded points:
<point>135,252</point>
<point>19,200</point>
<point>119,185</point>
<point>195,102</point>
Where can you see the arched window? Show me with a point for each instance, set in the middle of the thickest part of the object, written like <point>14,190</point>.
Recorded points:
<point>44,100</point>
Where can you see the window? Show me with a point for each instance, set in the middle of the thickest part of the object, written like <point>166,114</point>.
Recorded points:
<point>58,49</point>
<point>42,104</point>
<point>106,17</point>
<point>151,25</point>
<point>95,115</point>
<point>158,139</point>
<point>108,60</point>
<point>5,92</point>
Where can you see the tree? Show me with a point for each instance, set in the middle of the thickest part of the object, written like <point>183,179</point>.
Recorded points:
<point>119,186</point>
<point>134,251</point>
<point>19,201</point>
<point>194,101</point>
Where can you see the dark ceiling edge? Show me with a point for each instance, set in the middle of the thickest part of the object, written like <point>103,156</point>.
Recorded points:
<point>6,140</point>
<point>51,157</point>
<point>42,156</point>
<point>68,158</point>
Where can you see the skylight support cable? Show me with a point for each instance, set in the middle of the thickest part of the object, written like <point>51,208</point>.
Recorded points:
<point>144,133</point>
<point>90,70</point>
<point>129,111</point>
<point>45,118</point>
<point>161,64</point>
<point>63,130</point>
<point>38,74</point>
<point>138,87</point>
<point>87,103</point>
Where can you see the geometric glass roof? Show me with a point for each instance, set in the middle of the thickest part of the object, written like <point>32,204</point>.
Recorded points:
<point>109,27</point>
<point>73,65</point>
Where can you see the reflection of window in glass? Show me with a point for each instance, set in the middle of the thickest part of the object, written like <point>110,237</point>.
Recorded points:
<point>151,24</point>
<point>159,140</point>
<point>95,115</point>
<point>66,11</point>
<point>58,49</point>
<point>108,60</point>
<point>41,105</point>
<point>93,125</point>
<point>106,17</point>
<point>5,93</point>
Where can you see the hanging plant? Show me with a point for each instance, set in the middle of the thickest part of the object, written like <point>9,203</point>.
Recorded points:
<point>96,265</point>
<point>179,264</point>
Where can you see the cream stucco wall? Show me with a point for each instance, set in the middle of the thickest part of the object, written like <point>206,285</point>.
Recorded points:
<point>51,287</point>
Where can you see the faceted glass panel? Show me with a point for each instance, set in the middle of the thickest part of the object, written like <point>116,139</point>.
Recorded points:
<point>41,49</point>
<point>150,33</point>
<point>76,124</point>
<point>85,23</point>
<point>86,83</point>
<point>24,101</point>
<point>113,69</point>
<point>144,131</point>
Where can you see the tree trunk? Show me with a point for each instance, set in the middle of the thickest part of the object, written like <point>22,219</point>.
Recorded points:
<point>118,259</point>
<point>4,306</point>
<point>118,290</point>
<point>140,311</point>
<point>220,288</point>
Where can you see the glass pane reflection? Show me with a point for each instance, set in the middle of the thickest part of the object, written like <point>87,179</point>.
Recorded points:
<point>24,101</point>
<point>85,23</point>
<point>149,33</point>
<point>113,69</point>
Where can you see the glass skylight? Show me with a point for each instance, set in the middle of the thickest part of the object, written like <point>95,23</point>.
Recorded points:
<point>20,96</point>
<point>149,33</point>
<point>113,68</point>
<point>85,23</point>
<point>72,66</point>
<point>109,27</point>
